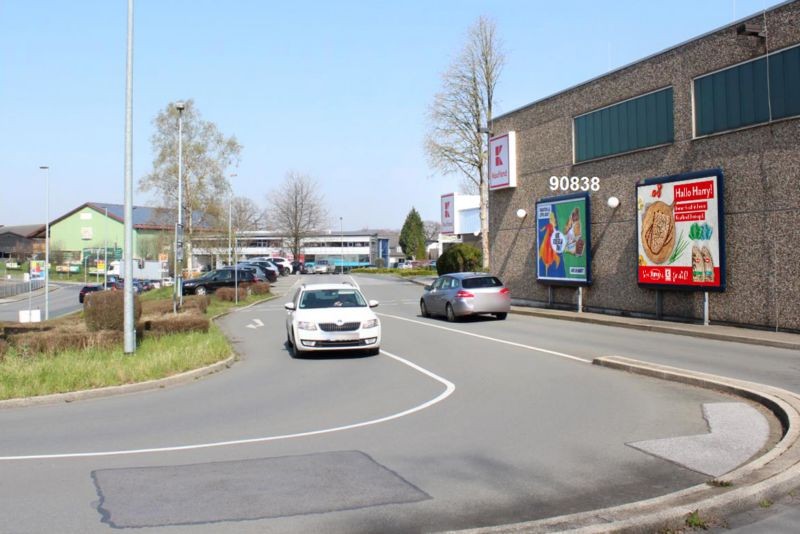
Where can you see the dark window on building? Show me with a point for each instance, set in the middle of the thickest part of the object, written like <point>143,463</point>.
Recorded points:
<point>638,123</point>
<point>750,93</point>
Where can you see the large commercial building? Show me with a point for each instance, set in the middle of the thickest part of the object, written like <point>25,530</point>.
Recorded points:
<point>685,171</point>
<point>343,248</point>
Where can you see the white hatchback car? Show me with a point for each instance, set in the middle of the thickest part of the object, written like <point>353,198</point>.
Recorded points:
<point>329,317</point>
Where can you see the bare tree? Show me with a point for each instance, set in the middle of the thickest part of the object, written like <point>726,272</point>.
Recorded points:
<point>207,155</point>
<point>432,230</point>
<point>298,209</point>
<point>454,142</point>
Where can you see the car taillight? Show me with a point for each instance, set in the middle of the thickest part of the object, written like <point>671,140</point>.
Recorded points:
<point>505,291</point>
<point>464,294</point>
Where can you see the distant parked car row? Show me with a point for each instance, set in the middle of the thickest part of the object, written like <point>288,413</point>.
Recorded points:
<point>116,284</point>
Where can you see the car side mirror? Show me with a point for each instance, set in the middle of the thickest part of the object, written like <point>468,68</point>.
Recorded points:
<point>428,287</point>
<point>373,304</point>
<point>289,306</point>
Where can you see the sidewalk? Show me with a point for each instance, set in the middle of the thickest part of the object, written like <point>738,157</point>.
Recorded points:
<point>782,340</point>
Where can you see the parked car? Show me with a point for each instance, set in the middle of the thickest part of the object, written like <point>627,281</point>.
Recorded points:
<point>255,269</point>
<point>85,290</point>
<point>262,273</point>
<point>322,267</point>
<point>297,267</point>
<point>457,295</point>
<point>270,270</point>
<point>210,282</point>
<point>308,267</point>
<point>283,262</point>
<point>330,317</point>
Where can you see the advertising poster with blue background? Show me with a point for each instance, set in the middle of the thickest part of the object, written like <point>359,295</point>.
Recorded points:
<point>562,240</point>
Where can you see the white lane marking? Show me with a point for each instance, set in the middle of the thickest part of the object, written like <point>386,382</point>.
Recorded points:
<point>449,389</point>
<point>487,338</point>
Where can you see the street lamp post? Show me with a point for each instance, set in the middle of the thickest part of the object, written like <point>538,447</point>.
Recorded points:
<point>230,218</point>
<point>178,290</point>
<point>46,170</point>
<point>341,241</point>
<point>128,300</point>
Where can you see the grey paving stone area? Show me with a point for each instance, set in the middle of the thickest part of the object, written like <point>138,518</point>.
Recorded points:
<point>737,431</point>
<point>247,489</point>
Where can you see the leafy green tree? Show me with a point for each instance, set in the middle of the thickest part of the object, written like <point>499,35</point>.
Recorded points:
<point>459,258</point>
<point>207,156</point>
<point>412,235</point>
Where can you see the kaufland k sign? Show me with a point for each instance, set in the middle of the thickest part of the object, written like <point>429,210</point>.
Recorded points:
<point>448,213</point>
<point>503,161</point>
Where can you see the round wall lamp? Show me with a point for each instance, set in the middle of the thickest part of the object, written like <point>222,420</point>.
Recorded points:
<point>613,202</point>
<point>521,213</point>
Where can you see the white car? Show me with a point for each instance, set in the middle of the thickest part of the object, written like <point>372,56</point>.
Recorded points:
<point>330,317</point>
<point>283,262</point>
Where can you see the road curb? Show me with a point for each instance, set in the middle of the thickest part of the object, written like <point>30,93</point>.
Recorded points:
<point>767,477</point>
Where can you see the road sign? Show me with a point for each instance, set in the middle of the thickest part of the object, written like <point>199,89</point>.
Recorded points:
<point>37,270</point>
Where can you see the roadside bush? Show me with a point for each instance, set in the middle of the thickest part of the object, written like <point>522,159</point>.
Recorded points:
<point>104,310</point>
<point>48,343</point>
<point>196,302</point>
<point>229,294</point>
<point>3,348</point>
<point>189,322</point>
<point>156,307</point>
<point>260,288</point>
<point>459,258</point>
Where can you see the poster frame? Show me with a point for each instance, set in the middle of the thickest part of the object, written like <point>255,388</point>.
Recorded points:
<point>588,240</point>
<point>720,197</point>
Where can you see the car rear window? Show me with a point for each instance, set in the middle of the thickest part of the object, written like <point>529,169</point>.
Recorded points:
<point>482,281</point>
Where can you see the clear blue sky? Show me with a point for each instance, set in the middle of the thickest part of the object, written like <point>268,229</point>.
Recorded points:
<point>335,89</point>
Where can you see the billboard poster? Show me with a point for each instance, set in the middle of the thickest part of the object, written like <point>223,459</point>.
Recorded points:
<point>503,161</point>
<point>562,240</point>
<point>680,232</point>
<point>36,270</point>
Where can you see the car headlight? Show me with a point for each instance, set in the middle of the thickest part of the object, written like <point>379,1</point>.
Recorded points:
<point>370,323</point>
<point>306,325</point>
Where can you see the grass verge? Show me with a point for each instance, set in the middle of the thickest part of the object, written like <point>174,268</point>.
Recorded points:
<point>155,357</point>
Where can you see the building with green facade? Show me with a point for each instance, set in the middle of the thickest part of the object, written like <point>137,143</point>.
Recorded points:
<point>82,235</point>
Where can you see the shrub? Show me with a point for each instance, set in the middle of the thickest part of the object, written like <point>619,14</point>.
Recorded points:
<point>196,302</point>
<point>3,348</point>
<point>260,288</point>
<point>49,343</point>
<point>459,258</point>
<point>229,294</point>
<point>104,310</point>
<point>189,322</point>
<point>156,307</point>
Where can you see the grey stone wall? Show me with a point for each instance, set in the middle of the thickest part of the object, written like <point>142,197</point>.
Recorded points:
<point>761,166</point>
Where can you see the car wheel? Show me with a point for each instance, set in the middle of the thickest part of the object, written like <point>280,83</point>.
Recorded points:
<point>296,352</point>
<point>501,316</point>
<point>451,315</point>
<point>200,290</point>
<point>423,309</point>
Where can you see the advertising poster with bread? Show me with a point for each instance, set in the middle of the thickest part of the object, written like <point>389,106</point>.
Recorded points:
<point>680,231</point>
<point>562,240</point>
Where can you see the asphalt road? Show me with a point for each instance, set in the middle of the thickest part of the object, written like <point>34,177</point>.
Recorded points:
<point>479,423</point>
<point>63,300</point>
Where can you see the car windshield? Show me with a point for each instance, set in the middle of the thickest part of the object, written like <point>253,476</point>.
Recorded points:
<point>483,281</point>
<point>332,298</point>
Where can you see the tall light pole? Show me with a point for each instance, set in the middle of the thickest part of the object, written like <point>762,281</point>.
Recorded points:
<point>341,241</point>
<point>178,294</point>
<point>46,170</point>
<point>230,218</point>
<point>129,330</point>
